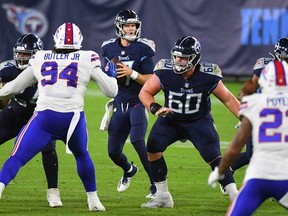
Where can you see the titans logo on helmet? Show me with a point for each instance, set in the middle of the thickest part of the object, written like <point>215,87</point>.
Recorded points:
<point>26,20</point>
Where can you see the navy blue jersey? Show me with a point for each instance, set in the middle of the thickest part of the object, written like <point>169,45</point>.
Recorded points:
<point>189,99</point>
<point>138,56</point>
<point>23,103</point>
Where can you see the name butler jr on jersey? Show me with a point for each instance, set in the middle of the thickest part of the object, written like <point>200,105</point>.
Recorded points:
<point>61,56</point>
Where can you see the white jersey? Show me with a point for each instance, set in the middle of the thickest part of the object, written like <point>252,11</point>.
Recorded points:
<point>62,79</point>
<point>269,118</point>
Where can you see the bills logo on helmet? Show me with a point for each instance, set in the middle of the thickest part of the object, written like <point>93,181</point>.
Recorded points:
<point>26,20</point>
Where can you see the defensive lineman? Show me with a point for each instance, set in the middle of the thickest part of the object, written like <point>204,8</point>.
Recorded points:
<point>62,83</point>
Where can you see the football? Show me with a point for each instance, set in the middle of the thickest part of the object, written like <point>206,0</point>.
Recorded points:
<point>115,61</point>
<point>122,80</point>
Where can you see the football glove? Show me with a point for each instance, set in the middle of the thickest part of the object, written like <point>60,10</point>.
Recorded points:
<point>238,125</point>
<point>214,177</point>
<point>111,72</point>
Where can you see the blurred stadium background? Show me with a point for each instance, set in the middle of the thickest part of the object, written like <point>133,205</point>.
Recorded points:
<point>233,34</point>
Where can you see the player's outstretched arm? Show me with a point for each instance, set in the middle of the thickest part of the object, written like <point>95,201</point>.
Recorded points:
<point>146,95</point>
<point>23,80</point>
<point>232,152</point>
<point>227,98</point>
<point>107,84</point>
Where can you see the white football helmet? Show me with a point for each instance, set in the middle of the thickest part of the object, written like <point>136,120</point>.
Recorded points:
<point>68,36</point>
<point>274,77</point>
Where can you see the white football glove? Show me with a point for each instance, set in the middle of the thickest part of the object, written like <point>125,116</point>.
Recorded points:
<point>238,125</point>
<point>214,177</point>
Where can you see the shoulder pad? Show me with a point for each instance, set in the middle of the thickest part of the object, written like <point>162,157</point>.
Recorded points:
<point>108,41</point>
<point>148,42</point>
<point>210,68</point>
<point>163,64</point>
<point>8,63</point>
<point>261,63</point>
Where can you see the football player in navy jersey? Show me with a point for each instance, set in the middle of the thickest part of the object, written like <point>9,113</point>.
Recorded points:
<point>18,111</point>
<point>251,85</point>
<point>129,116</point>
<point>187,84</point>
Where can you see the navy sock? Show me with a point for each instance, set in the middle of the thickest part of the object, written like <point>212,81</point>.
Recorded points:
<point>50,164</point>
<point>159,170</point>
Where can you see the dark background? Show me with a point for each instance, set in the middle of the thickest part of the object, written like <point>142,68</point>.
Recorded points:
<point>233,34</point>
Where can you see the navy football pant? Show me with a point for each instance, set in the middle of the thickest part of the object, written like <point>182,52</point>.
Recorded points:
<point>201,133</point>
<point>128,119</point>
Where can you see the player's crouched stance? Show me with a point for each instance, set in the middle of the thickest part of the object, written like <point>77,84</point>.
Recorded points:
<point>267,172</point>
<point>63,75</point>
<point>187,84</point>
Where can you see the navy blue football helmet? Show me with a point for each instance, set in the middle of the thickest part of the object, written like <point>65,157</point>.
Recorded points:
<point>25,47</point>
<point>186,47</point>
<point>281,49</point>
<point>127,17</point>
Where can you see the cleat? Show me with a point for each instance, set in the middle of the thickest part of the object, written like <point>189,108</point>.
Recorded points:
<point>94,204</point>
<point>160,200</point>
<point>124,182</point>
<point>152,191</point>
<point>53,198</point>
<point>223,190</point>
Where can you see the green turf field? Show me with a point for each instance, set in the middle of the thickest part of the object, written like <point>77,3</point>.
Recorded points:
<point>187,175</point>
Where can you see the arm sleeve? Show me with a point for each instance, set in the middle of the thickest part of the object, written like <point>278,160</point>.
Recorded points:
<point>23,80</point>
<point>108,85</point>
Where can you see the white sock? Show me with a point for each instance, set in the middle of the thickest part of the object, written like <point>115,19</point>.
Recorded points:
<point>2,187</point>
<point>162,186</point>
<point>92,195</point>
<point>231,190</point>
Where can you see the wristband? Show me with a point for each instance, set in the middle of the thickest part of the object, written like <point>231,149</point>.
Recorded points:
<point>134,75</point>
<point>154,107</point>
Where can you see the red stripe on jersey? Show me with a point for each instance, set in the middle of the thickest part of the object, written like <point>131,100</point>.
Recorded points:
<point>19,138</point>
<point>243,105</point>
<point>69,34</point>
<point>94,57</point>
<point>280,74</point>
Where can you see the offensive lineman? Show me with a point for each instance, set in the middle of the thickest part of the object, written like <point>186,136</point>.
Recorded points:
<point>187,84</point>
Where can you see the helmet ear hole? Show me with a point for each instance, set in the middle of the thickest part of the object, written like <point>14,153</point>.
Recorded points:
<point>281,49</point>
<point>274,77</point>
<point>127,17</point>
<point>68,36</point>
<point>186,47</point>
<point>25,47</point>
